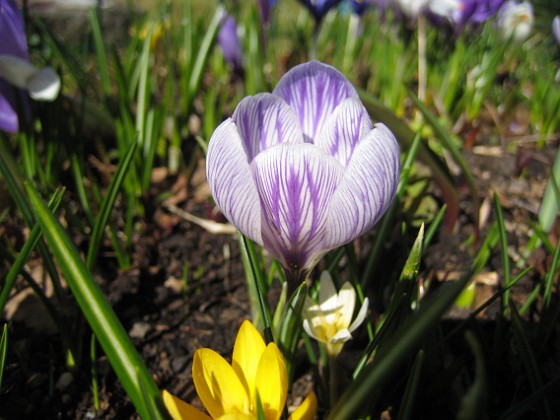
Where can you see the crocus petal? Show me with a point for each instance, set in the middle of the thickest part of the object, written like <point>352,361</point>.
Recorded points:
<point>180,410</point>
<point>217,384</point>
<point>556,28</point>
<point>360,317</point>
<point>343,129</point>
<point>12,30</point>
<point>295,184</point>
<point>265,120</point>
<point>8,115</point>
<point>328,297</point>
<point>237,416</point>
<point>44,85</point>
<point>16,70</point>
<point>247,351</point>
<point>306,410</point>
<point>367,189</point>
<point>311,331</point>
<point>231,182</point>
<point>272,382</point>
<point>341,336</point>
<point>314,90</point>
<point>346,302</point>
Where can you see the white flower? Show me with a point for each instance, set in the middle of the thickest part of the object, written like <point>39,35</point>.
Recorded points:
<point>515,20</point>
<point>412,8</point>
<point>330,321</point>
<point>41,84</point>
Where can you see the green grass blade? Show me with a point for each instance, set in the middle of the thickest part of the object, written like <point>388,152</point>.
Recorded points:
<point>101,54</point>
<point>109,331</point>
<point>550,276</point>
<point>257,287</point>
<point>504,247</point>
<point>528,358</point>
<point>407,405</point>
<point>107,205</point>
<point>473,403</point>
<point>291,326</point>
<point>3,351</point>
<point>26,250</point>
<point>203,55</point>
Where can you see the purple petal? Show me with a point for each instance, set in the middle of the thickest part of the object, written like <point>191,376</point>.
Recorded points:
<point>231,182</point>
<point>229,42</point>
<point>8,115</point>
<point>367,189</point>
<point>295,184</point>
<point>265,120</point>
<point>12,30</point>
<point>344,129</point>
<point>314,90</point>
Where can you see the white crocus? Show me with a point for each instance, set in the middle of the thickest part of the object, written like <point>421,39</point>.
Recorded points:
<point>330,320</point>
<point>41,84</point>
<point>515,20</point>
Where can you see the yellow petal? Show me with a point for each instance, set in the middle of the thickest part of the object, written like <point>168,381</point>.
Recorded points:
<point>237,416</point>
<point>180,410</point>
<point>272,382</point>
<point>217,385</point>
<point>247,351</point>
<point>307,410</point>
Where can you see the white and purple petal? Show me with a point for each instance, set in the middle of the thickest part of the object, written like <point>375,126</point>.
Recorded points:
<point>314,90</point>
<point>367,189</point>
<point>343,130</point>
<point>231,182</point>
<point>265,120</point>
<point>295,183</point>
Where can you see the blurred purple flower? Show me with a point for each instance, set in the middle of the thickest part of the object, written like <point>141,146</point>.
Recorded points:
<point>462,13</point>
<point>319,8</point>
<point>266,6</point>
<point>303,170</point>
<point>359,7</point>
<point>556,28</point>
<point>229,42</point>
<point>14,43</point>
<point>15,69</point>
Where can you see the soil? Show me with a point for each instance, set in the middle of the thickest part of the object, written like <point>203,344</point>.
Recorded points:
<point>186,289</point>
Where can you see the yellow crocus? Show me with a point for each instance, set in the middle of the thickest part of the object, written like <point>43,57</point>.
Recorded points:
<point>330,320</point>
<point>230,391</point>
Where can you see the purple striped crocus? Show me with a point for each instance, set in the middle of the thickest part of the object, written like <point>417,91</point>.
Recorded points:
<point>16,70</point>
<point>303,170</point>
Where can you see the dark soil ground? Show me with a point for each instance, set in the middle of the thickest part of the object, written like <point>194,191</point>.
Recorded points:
<point>168,318</point>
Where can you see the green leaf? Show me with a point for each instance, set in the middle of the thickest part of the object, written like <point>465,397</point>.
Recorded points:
<point>407,406</point>
<point>3,351</point>
<point>109,331</point>
<point>107,205</point>
<point>291,325</point>
<point>473,404</point>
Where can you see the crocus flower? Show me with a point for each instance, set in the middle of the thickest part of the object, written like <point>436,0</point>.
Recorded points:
<point>319,8</point>
<point>265,7</point>
<point>412,8</point>
<point>556,28</point>
<point>15,69</point>
<point>515,20</point>
<point>303,170</point>
<point>229,42</point>
<point>230,391</point>
<point>330,320</point>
